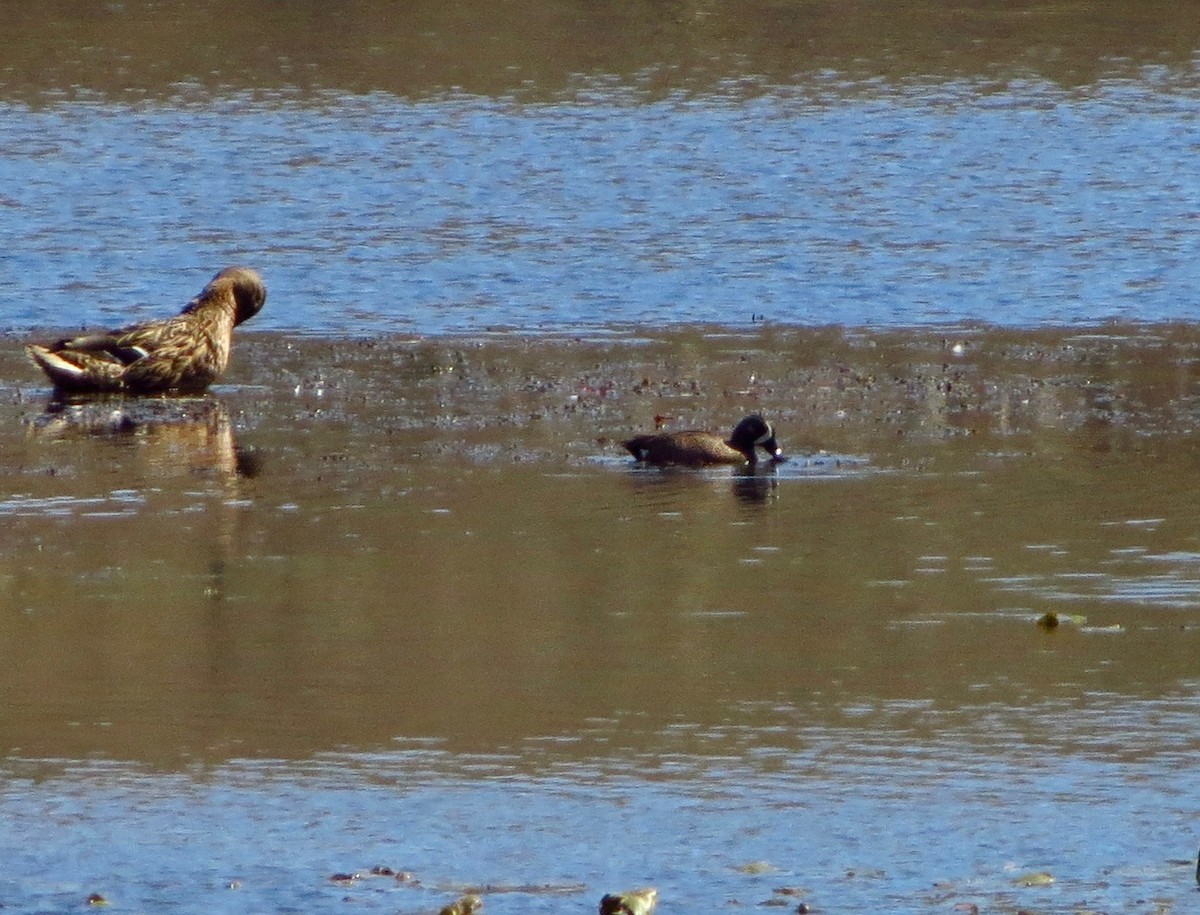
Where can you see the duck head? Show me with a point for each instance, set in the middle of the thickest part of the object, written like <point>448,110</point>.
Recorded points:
<point>242,285</point>
<point>755,432</point>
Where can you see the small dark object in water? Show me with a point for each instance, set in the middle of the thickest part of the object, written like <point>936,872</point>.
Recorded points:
<point>635,902</point>
<point>96,899</point>
<point>697,448</point>
<point>183,354</point>
<point>1048,620</point>
<point>1198,869</point>
<point>466,905</point>
<point>248,462</point>
<point>792,891</point>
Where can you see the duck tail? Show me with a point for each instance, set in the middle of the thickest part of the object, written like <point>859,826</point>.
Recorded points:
<point>84,374</point>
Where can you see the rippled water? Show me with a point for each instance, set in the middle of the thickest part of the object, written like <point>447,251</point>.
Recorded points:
<point>392,596</point>
<point>253,839</point>
<point>1026,205</point>
<point>402,604</point>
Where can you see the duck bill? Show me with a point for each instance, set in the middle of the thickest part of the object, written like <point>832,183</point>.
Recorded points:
<point>772,448</point>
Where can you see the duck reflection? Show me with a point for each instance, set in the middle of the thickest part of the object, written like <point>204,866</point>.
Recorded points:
<point>756,485</point>
<point>159,440</point>
<point>751,485</point>
<point>193,434</point>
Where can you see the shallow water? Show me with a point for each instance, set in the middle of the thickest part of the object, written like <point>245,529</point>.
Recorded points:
<point>403,604</point>
<point>1025,167</point>
<point>391,596</point>
<point>1028,205</point>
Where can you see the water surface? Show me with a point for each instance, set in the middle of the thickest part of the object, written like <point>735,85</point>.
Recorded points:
<point>1031,166</point>
<point>1025,206</point>
<point>391,596</point>
<point>403,603</point>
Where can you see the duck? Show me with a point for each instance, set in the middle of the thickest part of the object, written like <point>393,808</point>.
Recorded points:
<point>179,355</point>
<point>697,448</point>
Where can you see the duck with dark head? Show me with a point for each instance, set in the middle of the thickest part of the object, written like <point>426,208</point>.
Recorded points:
<point>179,355</point>
<point>697,448</point>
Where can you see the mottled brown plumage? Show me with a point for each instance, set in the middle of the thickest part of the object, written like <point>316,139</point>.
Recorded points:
<point>696,448</point>
<point>183,354</point>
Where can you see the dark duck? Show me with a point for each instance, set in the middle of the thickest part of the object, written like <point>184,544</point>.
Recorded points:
<point>697,448</point>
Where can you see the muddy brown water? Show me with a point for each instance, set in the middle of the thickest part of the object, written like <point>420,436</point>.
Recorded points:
<point>392,599</point>
<point>417,578</point>
<point>538,49</point>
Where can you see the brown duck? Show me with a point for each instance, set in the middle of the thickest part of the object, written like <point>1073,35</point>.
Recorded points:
<point>183,354</point>
<point>695,448</point>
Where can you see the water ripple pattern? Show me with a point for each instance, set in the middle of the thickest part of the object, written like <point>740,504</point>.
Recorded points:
<point>927,205</point>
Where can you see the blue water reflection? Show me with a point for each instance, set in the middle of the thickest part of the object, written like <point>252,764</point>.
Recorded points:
<point>1024,206</point>
<point>960,831</point>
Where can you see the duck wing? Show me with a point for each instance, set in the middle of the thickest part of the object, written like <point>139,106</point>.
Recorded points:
<point>79,370</point>
<point>143,358</point>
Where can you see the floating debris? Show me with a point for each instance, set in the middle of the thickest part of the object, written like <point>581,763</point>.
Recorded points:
<point>464,905</point>
<point>1038,878</point>
<point>536,889</point>
<point>382,870</point>
<point>635,902</point>
<point>1052,620</point>
<point>788,891</point>
<point>757,867</point>
<point>96,899</point>
<point>784,896</point>
<point>1114,629</point>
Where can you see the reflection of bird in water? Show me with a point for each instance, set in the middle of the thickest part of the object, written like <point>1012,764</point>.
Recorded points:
<point>696,448</point>
<point>637,902</point>
<point>183,354</point>
<point>190,435</point>
<point>166,439</point>
<point>666,484</point>
<point>754,487</point>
